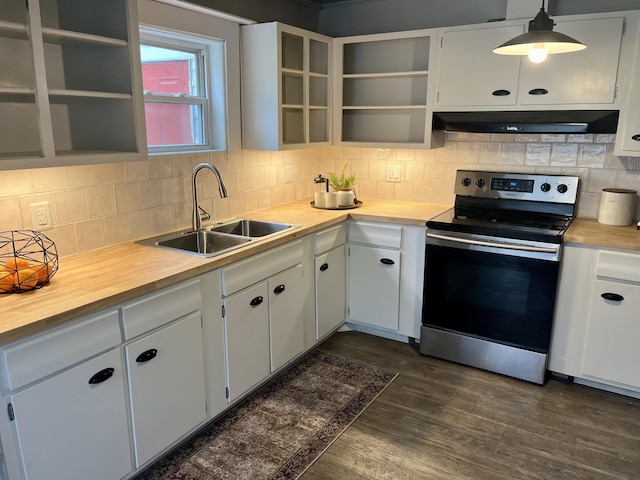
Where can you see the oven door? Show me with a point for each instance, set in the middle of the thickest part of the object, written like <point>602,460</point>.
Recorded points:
<point>494,289</point>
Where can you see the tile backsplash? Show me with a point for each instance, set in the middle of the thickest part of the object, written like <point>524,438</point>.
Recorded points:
<point>98,205</point>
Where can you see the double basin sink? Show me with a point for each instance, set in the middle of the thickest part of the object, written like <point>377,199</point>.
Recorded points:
<point>218,238</point>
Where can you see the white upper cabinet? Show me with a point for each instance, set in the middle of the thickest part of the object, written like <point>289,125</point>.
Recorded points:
<point>286,87</point>
<point>628,135</point>
<point>471,75</point>
<point>383,90</point>
<point>70,90</point>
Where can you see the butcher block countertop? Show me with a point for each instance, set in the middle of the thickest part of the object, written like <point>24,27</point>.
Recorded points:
<point>91,281</point>
<point>588,231</point>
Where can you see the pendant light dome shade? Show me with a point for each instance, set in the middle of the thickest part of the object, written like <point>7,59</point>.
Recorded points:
<point>541,39</point>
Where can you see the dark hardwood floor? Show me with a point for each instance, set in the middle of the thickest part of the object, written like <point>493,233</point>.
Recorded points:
<point>439,420</point>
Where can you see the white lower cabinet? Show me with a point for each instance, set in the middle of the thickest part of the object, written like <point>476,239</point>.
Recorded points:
<point>166,384</point>
<point>597,325</point>
<point>374,286</point>
<point>247,336</point>
<point>386,275</point>
<point>611,347</point>
<point>263,305</point>
<point>330,276</point>
<point>286,326</point>
<point>74,424</point>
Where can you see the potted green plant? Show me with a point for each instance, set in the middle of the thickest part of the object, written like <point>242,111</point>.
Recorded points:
<point>342,181</point>
<point>343,184</point>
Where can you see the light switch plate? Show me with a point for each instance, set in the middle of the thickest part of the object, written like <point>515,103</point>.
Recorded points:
<point>393,173</point>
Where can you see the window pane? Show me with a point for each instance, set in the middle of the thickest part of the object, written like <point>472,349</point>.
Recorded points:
<point>170,71</point>
<point>170,124</point>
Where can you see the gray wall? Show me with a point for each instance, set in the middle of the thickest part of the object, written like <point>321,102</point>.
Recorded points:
<point>356,17</point>
<point>291,12</point>
<point>377,16</point>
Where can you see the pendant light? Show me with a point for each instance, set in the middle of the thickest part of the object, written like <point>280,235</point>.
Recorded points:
<point>540,40</point>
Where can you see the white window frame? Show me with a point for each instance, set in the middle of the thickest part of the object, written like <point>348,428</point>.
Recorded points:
<point>180,19</point>
<point>209,56</point>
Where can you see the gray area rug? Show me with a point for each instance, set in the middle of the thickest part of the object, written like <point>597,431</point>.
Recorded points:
<point>281,429</point>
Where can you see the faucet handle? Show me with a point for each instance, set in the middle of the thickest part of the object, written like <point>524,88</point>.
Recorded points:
<point>204,215</point>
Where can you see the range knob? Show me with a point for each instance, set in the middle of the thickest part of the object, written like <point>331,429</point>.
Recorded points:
<point>480,183</point>
<point>466,181</point>
<point>562,188</point>
<point>545,187</point>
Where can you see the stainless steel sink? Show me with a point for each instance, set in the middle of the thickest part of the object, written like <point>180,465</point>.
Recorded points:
<point>250,228</point>
<point>218,238</point>
<point>202,243</point>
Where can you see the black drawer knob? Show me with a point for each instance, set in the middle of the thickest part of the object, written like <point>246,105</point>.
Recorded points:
<point>147,355</point>
<point>279,289</point>
<point>256,301</point>
<point>387,261</point>
<point>538,91</point>
<point>614,297</point>
<point>500,93</point>
<point>324,266</point>
<point>101,376</point>
<point>636,137</point>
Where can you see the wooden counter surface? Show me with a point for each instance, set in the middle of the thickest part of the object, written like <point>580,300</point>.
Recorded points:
<point>589,232</point>
<point>91,281</point>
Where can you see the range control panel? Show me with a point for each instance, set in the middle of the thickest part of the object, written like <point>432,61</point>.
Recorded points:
<point>518,186</point>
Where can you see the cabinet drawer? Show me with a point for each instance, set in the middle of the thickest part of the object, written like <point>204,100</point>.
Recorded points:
<point>251,270</point>
<point>44,354</point>
<point>155,310</point>
<point>619,266</point>
<point>375,234</point>
<point>330,238</point>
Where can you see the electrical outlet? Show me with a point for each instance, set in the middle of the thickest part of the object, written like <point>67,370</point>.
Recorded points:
<point>41,216</point>
<point>393,173</point>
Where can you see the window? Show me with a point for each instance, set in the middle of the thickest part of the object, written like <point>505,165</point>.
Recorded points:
<point>183,80</point>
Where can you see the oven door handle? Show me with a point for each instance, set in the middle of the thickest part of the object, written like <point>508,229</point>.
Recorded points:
<point>482,243</point>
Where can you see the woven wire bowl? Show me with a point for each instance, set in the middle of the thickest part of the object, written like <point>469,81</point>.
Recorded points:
<point>28,260</point>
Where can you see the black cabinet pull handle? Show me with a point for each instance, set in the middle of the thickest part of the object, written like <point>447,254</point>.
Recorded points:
<point>324,266</point>
<point>500,93</point>
<point>101,376</point>
<point>614,297</point>
<point>146,356</point>
<point>636,137</point>
<point>279,289</point>
<point>387,261</point>
<point>256,301</point>
<point>538,91</point>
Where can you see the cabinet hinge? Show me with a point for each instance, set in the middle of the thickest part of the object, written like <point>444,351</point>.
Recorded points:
<point>226,392</point>
<point>10,412</point>
<point>441,41</point>
<point>223,311</point>
<point>615,93</point>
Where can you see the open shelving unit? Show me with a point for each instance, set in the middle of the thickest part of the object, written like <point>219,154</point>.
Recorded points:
<point>383,89</point>
<point>286,87</point>
<point>70,85</point>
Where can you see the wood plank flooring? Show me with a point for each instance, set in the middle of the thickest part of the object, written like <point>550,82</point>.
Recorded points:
<point>439,420</point>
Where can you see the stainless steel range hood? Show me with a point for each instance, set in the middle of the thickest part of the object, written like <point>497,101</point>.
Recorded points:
<point>548,121</point>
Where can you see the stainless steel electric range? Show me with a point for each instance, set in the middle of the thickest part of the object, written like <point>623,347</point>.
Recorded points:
<point>491,272</point>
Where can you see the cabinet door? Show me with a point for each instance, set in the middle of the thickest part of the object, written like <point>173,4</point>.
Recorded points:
<point>285,316</point>
<point>331,297</point>
<point>67,427</point>
<point>247,336</point>
<point>611,347</point>
<point>588,76</point>
<point>374,286</point>
<point>166,381</point>
<point>471,74</point>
